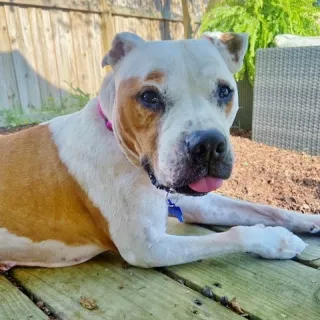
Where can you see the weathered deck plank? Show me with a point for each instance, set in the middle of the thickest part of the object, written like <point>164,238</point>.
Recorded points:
<point>119,293</point>
<point>14,305</point>
<point>264,288</point>
<point>310,256</point>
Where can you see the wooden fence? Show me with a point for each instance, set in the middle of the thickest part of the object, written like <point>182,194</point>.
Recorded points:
<point>48,47</point>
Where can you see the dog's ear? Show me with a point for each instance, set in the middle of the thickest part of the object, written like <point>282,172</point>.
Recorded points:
<point>232,47</point>
<point>122,44</point>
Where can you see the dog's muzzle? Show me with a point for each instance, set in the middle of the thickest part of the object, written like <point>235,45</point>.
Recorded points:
<point>204,161</point>
<point>206,146</point>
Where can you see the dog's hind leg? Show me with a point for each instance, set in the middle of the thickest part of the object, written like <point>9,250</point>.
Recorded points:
<point>220,210</point>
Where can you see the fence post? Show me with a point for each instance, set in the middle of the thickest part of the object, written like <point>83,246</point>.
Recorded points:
<point>187,24</point>
<point>108,29</point>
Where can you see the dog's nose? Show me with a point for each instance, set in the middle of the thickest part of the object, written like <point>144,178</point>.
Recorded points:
<point>207,144</point>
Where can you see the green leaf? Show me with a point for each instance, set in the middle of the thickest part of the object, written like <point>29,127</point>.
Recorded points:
<point>262,20</point>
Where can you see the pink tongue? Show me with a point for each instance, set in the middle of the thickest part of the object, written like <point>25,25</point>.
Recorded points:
<point>205,185</point>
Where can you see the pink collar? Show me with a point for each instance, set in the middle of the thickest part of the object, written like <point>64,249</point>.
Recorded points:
<point>107,122</point>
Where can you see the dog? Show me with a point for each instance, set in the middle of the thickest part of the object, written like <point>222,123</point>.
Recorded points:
<point>104,178</point>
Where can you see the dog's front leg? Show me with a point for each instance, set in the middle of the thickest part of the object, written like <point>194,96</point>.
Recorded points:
<point>166,250</point>
<point>220,210</point>
<point>142,240</point>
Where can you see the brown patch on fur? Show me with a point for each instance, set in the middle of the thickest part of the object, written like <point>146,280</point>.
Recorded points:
<point>229,107</point>
<point>156,76</point>
<point>39,199</point>
<point>233,42</point>
<point>137,126</point>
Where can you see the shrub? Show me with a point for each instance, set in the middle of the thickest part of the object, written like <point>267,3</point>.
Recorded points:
<point>262,20</point>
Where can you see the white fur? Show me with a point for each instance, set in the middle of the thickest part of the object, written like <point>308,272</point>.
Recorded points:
<point>136,211</point>
<point>17,250</point>
<point>192,69</point>
<point>220,210</point>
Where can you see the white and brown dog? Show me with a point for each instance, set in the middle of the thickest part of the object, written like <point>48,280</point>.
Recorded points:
<point>71,188</point>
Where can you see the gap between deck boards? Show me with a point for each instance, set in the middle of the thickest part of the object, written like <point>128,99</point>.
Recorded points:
<point>31,296</point>
<point>207,292</point>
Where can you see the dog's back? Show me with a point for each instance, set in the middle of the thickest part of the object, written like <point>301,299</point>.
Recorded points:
<point>41,203</point>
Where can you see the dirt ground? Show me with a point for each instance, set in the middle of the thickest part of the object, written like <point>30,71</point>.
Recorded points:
<point>269,175</point>
<point>274,176</point>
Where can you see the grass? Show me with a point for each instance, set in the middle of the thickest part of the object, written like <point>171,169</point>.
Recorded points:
<point>72,103</point>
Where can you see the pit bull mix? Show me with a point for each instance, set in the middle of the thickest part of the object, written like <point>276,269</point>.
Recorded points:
<point>71,188</point>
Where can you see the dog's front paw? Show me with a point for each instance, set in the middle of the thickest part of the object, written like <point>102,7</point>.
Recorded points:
<point>272,242</point>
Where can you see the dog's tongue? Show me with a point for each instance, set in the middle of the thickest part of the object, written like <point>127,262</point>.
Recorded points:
<point>206,185</point>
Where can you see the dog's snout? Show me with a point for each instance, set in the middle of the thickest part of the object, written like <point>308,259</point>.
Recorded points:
<point>208,144</point>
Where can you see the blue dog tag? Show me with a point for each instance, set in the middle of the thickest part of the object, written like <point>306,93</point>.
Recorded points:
<point>174,210</point>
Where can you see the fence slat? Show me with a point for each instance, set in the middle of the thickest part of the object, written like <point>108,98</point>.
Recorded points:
<point>49,56</point>
<point>21,45</point>
<point>82,58</point>
<point>175,30</point>
<point>37,40</point>
<point>142,13</point>
<point>92,5</point>
<point>9,93</point>
<point>88,50</point>
<point>65,54</point>
<point>107,30</point>
<point>46,66</point>
<point>96,43</point>
<point>28,47</point>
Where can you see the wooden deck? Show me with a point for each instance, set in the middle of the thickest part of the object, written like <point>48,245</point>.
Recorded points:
<point>264,289</point>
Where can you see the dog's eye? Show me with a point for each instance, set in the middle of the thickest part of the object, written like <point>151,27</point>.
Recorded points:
<point>151,98</point>
<point>224,92</point>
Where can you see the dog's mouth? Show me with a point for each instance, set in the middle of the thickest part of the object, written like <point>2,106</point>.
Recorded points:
<point>206,187</point>
<point>198,187</point>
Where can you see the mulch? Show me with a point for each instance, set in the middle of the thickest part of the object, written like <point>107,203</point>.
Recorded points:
<point>268,175</point>
<point>273,176</point>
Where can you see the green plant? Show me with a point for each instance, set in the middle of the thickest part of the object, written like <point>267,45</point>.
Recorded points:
<point>74,101</point>
<point>78,94</point>
<point>49,110</point>
<point>262,20</point>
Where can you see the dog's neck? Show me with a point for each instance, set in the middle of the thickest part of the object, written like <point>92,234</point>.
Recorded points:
<point>83,135</point>
<point>106,120</point>
<point>107,95</point>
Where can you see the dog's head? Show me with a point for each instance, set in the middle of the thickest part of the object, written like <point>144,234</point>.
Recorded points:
<point>174,104</point>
